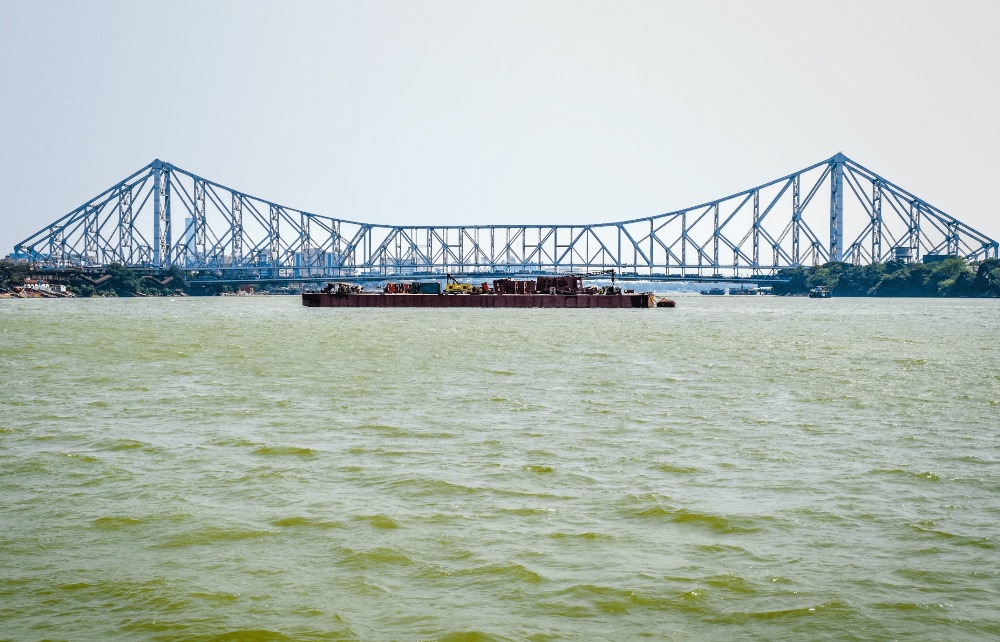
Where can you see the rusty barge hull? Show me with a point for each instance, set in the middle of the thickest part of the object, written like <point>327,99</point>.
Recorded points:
<point>374,300</point>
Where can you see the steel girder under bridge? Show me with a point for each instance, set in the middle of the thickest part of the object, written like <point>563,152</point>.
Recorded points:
<point>836,210</point>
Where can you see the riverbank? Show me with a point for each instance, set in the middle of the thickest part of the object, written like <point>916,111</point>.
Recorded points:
<point>951,277</point>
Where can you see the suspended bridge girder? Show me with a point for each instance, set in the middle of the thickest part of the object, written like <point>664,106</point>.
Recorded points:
<point>836,210</point>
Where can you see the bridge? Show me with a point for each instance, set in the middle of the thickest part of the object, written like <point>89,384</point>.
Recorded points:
<point>162,217</point>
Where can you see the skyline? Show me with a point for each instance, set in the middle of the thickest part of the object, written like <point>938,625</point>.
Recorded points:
<point>498,113</point>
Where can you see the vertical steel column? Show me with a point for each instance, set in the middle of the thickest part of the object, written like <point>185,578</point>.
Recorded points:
<point>524,249</point>
<point>367,248</point>
<point>237,257</point>
<point>337,258</point>
<point>89,237</point>
<point>398,258</point>
<point>161,216</point>
<point>430,247</point>
<point>684,239</point>
<point>57,248</point>
<point>273,238</point>
<point>126,223</point>
<point>650,247</point>
<point>618,258</point>
<point>915,229</point>
<point>199,223</point>
<point>756,232</point>
<point>876,221</point>
<point>796,220</point>
<point>715,242</point>
<point>168,237</point>
<point>307,250</point>
<point>837,209</point>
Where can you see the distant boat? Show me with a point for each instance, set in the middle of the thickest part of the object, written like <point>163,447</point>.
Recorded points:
<point>744,291</point>
<point>714,292</point>
<point>820,292</point>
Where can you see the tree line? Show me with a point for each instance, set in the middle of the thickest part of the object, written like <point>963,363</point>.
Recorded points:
<point>120,282</point>
<point>951,277</point>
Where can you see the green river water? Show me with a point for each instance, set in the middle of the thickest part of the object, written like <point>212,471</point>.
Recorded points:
<point>736,468</point>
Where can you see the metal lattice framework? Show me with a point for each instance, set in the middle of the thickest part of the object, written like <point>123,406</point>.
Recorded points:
<point>836,210</point>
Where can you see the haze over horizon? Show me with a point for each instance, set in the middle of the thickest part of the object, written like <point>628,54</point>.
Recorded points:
<point>448,112</point>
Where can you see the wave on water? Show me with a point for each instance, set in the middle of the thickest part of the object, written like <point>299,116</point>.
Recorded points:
<point>115,523</point>
<point>245,635</point>
<point>589,600</point>
<point>719,523</point>
<point>284,451</point>
<point>115,445</point>
<point>424,487</point>
<point>473,636</point>
<point>510,572</point>
<point>835,607</point>
<point>382,429</point>
<point>591,536</point>
<point>306,522</point>
<point>676,470</point>
<point>234,441</point>
<point>907,474</point>
<point>380,520</point>
<point>213,536</point>
<point>382,556</point>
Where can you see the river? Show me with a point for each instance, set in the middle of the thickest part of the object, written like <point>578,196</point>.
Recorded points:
<point>735,468</point>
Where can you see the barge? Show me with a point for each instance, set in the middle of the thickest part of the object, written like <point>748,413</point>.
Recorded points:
<point>544,292</point>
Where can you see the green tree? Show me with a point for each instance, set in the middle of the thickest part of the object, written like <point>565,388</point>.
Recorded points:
<point>945,278</point>
<point>950,277</point>
<point>82,288</point>
<point>13,274</point>
<point>987,281</point>
<point>796,283</point>
<point>123,282</point>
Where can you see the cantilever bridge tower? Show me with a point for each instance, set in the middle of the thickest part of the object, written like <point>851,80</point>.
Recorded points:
<point>836,210</point>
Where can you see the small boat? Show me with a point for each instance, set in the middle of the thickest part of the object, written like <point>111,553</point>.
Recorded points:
<point>714,292</point>
<point>820,292</point>
<point>744,291</point>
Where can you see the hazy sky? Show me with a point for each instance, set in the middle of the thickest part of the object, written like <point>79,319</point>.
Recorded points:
<point>465,112</point>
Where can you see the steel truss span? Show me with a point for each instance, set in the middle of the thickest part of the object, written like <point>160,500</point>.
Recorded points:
<point>836,210</point>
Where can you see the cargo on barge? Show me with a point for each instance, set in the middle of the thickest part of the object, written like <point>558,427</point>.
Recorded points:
<point>544,292</point>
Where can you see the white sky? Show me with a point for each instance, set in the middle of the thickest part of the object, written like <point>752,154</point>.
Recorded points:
<point>466,112</point>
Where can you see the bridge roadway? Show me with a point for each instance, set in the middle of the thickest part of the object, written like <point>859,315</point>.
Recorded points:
<point>97,275</point>
<point>489,277</point>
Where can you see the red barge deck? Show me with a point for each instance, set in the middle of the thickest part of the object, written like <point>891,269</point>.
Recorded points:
<point>545,292</point>
<point>382,300</point>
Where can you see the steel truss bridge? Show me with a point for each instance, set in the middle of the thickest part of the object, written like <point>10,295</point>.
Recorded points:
<point>836,210</point>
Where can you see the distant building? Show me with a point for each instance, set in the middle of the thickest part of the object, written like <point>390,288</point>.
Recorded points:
<point>39,285</point>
